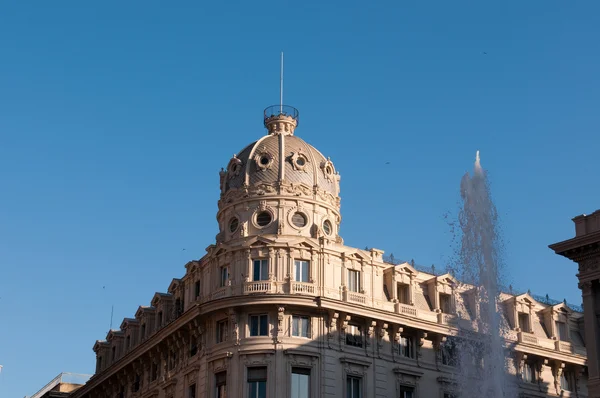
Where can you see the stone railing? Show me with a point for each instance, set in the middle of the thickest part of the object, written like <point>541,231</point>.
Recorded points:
<point>302,288</point>
<point>406,309</point>
<point>527,338</point>
<point>219,293</point>
<point>446,319</point>
<point>355,297</point>
<point>257,287</point>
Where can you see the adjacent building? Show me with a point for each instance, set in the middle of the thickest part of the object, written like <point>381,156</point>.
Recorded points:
<point>280,307</point>
<point>62,386</point>
<point>584,249</point>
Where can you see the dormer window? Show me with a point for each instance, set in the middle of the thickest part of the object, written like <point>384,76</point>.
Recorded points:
<point>127,342</point>
<point>99,364</point>
<point>445,303</point>
<point>143,332</point>
<point>114,353</point>
<point>561,331</point>
<point>524,322</point>
<point>403,293</point>
<point>353,280</point>
<point>160,318</point>
<point>197,289</point>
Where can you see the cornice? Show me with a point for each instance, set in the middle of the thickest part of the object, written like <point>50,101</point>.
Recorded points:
<point>138,351</point>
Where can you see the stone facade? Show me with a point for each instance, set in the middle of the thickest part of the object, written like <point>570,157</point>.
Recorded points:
<point>584,249</point>
<point>280,307</point>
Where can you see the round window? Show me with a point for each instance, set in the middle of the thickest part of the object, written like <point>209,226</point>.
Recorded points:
<point>263,218</point>
<point>264,160</point>
<point>299,220</point>
<point>233,224</point>
<point>328,170</point>
<point>327,227</point>
<point>300,161</point>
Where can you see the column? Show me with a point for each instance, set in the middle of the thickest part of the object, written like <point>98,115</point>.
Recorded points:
<point>591,331</point>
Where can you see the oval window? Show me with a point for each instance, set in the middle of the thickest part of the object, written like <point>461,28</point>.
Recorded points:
<point>233,224</point>
<point>299,220</point>
<point>263,218</point>
<point>264,160</point>
<point>300,161</point>
<point>327,227</point>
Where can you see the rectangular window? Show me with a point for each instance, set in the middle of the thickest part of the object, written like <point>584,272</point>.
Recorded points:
<point>450,395</point>
<point>445,303</point>
<point>98,364</point>
<point>529,373</point>
<point>300,326</point>
<point>561,331</point>
<point>114,353</point>
<point>260,270</point>
<point>160,318</point>
<point>197,289</point>
<point>565,381</point>
<point>154,372</point>
<point>223,276</point>
<point>403,295</point>
<point>353,387</point>
<point>524,321</point>
<point>300,383</point>
<point>222,327</point>
<point>449,353</point>
<point>259,325</point>
<point>136,383</point>
<point>143,331</point>
<point>353,280</point>
<point>257,382</point>
<point>407,392</point>
<point>354,336</point>
<point>221,385</point>
<point>192,391</point>
<point>193,346</point>
<point>406,347</point>
<point>301,271</point>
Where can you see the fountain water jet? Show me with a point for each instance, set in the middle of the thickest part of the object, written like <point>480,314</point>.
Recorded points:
<point>480,355</point>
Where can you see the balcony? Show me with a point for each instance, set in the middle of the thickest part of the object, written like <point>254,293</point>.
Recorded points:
<point>405,309</point>
<point>258,287</point>
<point>355,297</point>
<point>220,293</point>
<point>447,319</point>
<point>302,288</point>
<point>527,338</point>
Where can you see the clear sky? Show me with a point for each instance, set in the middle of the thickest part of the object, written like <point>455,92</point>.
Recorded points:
<point>116,117</point>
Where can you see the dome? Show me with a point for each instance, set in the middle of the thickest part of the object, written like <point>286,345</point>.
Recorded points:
<point>280,164</point>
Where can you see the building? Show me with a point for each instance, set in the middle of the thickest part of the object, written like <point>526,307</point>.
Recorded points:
<point>584,249</point>
<point>280,307</point>
<point>62,386</point>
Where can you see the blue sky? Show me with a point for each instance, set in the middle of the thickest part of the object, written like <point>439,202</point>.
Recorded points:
<point>115,118</point>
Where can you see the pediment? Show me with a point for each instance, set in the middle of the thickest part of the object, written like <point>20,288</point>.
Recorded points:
<point>304,242</point>
<point>357,254</point>
<point>527,299</point>
<point>100,344</point>
<point>141,309</point>
<point>128,321</point>
<point>114,333</point>
<point>174,285</point>
<point>405,267</point>
<point>158,297</point>
<point>447,278</point>
<point>191,266</point>
<point>258,241</point>
<point>562,308</point>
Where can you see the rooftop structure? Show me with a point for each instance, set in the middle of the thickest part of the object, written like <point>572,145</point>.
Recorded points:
<point>278,306</point>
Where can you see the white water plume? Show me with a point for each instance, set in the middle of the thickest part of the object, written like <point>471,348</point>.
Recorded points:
<point>480,354</point>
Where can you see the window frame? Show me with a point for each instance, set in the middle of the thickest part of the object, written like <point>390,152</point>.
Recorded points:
<point>220,383</point>
<point>407,342</point>
<point>222,330</point>
<point>411,389</point>
<point>308,326</point>
<point>304,267</point>
<point>259,318</point>
<point>223,275</point>
<point>263,266</point>
<point>354,283</point>
<point>308,371</point>
<point>250,383</point>
<point>361,386</point>
<point>351,338</point>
